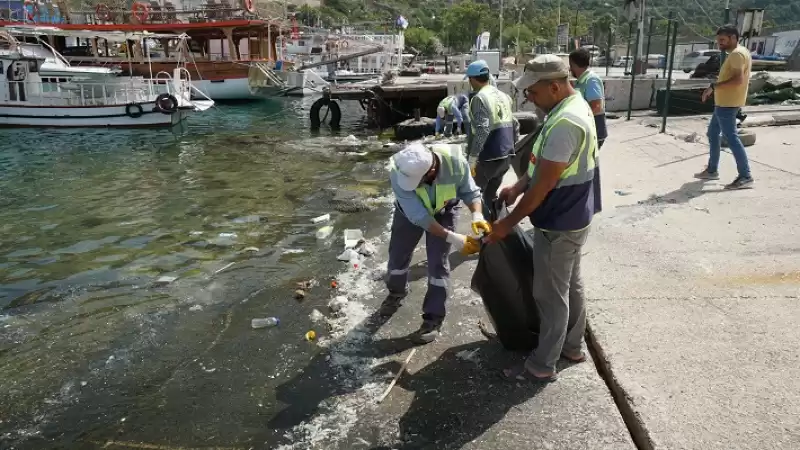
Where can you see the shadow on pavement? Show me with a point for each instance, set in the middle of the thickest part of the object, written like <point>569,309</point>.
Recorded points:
<point>457,397</point>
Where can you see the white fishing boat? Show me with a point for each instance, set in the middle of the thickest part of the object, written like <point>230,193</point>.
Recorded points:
<point>315,60</point>
<point>26,100</point>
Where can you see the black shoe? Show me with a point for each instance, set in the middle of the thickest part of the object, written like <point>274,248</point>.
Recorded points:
<point>741,183</point>
<point>427,333</point>
<point>391,304</point>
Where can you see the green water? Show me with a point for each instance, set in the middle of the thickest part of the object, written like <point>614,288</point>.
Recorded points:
<point>92,346</point>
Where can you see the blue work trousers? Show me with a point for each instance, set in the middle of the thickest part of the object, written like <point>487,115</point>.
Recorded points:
<point>405,237</point>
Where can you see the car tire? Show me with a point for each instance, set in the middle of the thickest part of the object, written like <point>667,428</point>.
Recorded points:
<point>687,70</point>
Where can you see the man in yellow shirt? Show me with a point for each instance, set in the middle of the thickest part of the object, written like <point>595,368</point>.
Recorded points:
<point>730,94</point>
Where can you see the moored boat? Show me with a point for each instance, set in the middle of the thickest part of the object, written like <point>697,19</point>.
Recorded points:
<point>28,101</point>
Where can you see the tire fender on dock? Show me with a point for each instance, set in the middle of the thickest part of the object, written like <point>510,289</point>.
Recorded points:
<point>333,111</point>
<point>410,130</point>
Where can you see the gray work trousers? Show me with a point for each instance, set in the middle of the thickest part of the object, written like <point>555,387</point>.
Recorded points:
<point>559,296</point>
<point>489,176</point>
<point>405,237</point>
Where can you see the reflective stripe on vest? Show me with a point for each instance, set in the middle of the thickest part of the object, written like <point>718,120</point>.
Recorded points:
<point>450,168</point>
<point>583,82</point>
<point>581,169</point>
<point>499,105</point>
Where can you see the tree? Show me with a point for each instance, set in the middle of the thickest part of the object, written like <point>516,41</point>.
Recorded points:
<point>423,40</point>
<point>464,22</point>
<point>526,37</point>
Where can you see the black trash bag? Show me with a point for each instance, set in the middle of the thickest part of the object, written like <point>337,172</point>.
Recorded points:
<point>504,280</point>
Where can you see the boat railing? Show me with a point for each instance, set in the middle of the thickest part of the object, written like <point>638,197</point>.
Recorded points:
<point>83,93</point>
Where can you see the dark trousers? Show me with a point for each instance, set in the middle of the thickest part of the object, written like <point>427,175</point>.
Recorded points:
<point>489,176</point>
<point>405,237</point>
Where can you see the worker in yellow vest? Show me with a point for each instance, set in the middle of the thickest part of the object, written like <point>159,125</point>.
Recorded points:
<point>494,130</point>
<point>559,200</point>
<point>429,184</point>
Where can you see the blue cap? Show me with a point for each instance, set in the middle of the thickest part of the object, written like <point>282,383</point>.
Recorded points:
<point>477,68</point>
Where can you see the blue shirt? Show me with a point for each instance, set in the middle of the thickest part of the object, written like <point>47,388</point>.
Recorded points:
<point>594,90</point>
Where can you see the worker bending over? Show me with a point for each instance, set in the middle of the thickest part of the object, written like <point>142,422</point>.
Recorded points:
<point>428,185</point>
<point>494,130</point>
<point>452,107</point>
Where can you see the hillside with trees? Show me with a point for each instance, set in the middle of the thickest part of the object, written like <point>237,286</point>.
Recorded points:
<point>438,24</point>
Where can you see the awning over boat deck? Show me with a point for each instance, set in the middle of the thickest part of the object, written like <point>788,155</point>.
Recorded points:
<point>110,36</point>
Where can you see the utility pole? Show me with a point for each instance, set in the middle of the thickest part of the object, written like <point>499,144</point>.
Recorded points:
<point>640,36</point>
<point>558,23</point>
<point>501,29</point>
<point>727,12</point>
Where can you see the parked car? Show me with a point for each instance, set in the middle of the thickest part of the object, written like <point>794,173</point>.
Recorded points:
<point>708,69</point>
<point>623,61</point>
<point>692,60</point>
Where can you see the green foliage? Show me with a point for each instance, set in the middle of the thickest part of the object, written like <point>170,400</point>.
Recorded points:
<point>422,39</point>
<point>457,25</point>
<point>464,22</point>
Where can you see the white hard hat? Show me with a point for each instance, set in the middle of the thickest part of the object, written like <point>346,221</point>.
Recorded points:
<point>412,163</point>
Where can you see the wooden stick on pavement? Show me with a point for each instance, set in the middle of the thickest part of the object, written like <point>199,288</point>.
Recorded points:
<point>397,377</point>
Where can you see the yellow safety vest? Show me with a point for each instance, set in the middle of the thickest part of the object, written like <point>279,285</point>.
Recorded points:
<point>499,105</point>
<point>572,109</point>
<point>450,171</point>
<point>447,103</point>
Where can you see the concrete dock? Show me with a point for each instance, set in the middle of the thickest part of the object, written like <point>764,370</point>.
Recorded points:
<point>693,311</point>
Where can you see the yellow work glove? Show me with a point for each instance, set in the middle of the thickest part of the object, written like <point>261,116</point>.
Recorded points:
<point>473,168</point>
<point>471,246</point>
<point>479,225</point>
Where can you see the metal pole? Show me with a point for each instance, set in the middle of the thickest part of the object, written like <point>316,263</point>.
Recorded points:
<point>649,38</point>
<point>633,76</point>
<point>628,50</point>
<point>669,28</point>
<point>727,12</point>
<point>669,79</point>
<point>577,11</point>
<point>608,49</point>
<point>501,29</point>
<point>640,38</point>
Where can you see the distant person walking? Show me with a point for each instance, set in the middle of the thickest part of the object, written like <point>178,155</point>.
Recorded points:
<point>730,95</point>
<point>591,88</point>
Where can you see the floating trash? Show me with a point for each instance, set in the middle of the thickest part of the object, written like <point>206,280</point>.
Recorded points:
<point>352,238</point>
<point>265,323</point>
<point>228,235</point>
<point>348,255</point>
<point>320,219</point>
<point>165,279</point>
<point>324,232</point>
<point>299,294</point>
<point>316,316</point>
<point>250,249</point>
<point>311,336</point>
<point>338,304</point>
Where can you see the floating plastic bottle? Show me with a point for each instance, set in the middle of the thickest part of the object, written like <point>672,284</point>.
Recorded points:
<point>324,232</point>
<point>265,323</point>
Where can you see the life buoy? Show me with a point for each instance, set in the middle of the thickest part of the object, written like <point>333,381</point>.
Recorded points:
<point>103,12</point>
<point>134,110</point>
<point>248,5</point>
<point>141,11</point>
<point>166,103</point>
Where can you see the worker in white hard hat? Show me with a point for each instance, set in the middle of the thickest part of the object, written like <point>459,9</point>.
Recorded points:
<point>429,184</point>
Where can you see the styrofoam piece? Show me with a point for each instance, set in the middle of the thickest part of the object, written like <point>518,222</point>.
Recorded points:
<point>352,238</point>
